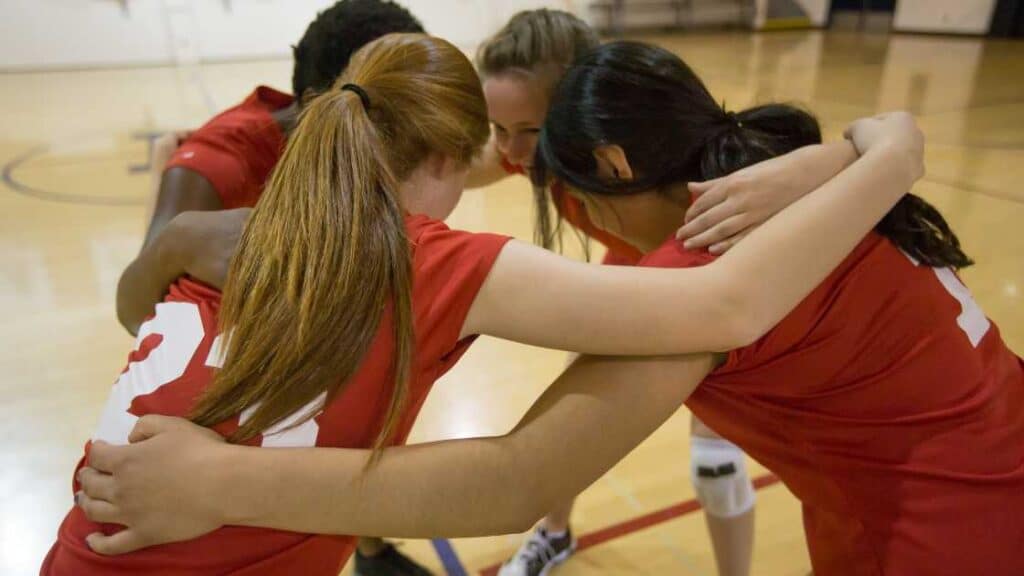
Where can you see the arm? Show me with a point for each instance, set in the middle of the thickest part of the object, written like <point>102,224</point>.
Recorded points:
<point>537,298</point>
<point>721,216</point>
<point>144,282</point>
<point>486,168</point>
<point>578,426</point>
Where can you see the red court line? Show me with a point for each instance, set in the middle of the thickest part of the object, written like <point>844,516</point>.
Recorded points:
<point>641,522</point>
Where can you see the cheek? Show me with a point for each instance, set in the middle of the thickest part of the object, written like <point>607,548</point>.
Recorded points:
<point>501,139</point>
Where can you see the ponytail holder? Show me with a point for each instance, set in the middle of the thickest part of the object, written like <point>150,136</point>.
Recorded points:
<point>360,92</point>
<point>731,116</point>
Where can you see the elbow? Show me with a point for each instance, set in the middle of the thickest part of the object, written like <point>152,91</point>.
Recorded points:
<point>523,514</point>
<point>743,323</point>
<point>130,321</point>
<point>528,493</point>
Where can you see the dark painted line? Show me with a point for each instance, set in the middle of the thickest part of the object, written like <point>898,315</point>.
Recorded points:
<point>449,559</point>
<point>630,526</point>
<point>8,178</point>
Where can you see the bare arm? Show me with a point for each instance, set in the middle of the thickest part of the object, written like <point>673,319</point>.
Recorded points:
<point>588,420</point>
<point>538,298</point>
<point>580,426</point>
<point>486,168</point>
<point>144,282</point>
<point>721,216</point>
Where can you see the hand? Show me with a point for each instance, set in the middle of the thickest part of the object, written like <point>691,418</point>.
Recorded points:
<point>729,208</point>
<point>726,209</point>
<point>164,147</point>
<point>210,240</point>
<point>896,131</point>
<point>158,487</point>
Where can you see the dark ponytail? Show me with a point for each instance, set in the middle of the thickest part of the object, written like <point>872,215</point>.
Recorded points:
<point>920,230</point>
<point>754,135</point>
<point>648,101</point>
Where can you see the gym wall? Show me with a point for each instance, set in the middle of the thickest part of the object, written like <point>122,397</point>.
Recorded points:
<point>61,34</point>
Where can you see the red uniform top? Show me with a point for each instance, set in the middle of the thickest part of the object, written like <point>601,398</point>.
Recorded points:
<point>176,352</point>
<point>889,405</point>
<point>620,252</point>
<point>237,149</point>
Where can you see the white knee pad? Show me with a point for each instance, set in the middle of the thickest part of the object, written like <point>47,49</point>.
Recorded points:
<point>718,470</point>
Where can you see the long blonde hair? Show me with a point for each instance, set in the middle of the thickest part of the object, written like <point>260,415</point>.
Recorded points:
<point>536,41</point>
<point>325,255</point>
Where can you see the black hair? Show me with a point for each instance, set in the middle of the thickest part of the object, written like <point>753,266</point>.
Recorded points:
<point>646,100</point>
<point>337,33</point>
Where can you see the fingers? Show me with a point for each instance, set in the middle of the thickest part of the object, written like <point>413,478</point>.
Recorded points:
<point>723,230</point>
<point>104,457</point>
<point>713,217</point>
<point>705,201</point>
<point>96,484</point>
<point>702,187</point>
<point>153,425</point>
<point>723,246</point>
<point>124,541</point>
<point>98,510</point>
<point>150,425</point>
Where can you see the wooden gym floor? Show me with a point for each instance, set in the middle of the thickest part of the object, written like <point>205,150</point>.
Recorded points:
<point>73,146</point>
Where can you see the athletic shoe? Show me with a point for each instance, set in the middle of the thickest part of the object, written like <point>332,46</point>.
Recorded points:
<point>388,562</point>
<point>539,554</point>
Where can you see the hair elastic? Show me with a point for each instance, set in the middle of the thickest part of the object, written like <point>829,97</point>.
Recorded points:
<point>734,119</point>
<point>360,92</point>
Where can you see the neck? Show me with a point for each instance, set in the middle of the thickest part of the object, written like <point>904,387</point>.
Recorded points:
<point>657,216</point>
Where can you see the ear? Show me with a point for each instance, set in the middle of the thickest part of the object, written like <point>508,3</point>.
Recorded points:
<point>612,163</point>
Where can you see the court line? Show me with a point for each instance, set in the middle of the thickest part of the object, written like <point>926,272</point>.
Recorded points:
<point>627,527</point>
<point>449,559</point>
<point>8,178</point>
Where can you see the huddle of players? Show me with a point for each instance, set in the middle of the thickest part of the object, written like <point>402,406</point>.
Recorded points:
<point>225,164</point>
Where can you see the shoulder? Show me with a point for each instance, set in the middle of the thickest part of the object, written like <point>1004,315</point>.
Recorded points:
<point>250,120</point>
<point>433,241</point>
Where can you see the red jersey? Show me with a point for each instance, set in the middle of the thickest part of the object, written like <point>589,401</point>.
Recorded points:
<point>889,405</point>
<point>620,252</point>
<point>236,150</point>
<point>176,352</point>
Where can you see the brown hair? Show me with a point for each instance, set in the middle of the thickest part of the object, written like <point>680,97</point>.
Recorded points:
<point>534,40</point>
<point>325,253</point>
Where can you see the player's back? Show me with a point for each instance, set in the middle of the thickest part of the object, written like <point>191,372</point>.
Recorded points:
<point>176,354</point>
<point>889,404</point>
<point>891,407</point>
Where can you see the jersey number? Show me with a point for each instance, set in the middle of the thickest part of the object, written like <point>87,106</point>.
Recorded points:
<point>181,329</point>
<point>971,319</point>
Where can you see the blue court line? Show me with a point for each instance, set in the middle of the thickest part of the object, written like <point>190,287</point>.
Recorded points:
<point>449,559</point>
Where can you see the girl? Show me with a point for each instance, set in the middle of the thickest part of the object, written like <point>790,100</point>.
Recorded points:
<point>335,329</point>
<point>520,66</point>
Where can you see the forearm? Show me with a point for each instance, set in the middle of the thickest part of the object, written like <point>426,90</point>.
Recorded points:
<point>417,491</point>
<point>766,276</point>
<point>574,433</point>
<point>145,281</point>
<point>820,163</point>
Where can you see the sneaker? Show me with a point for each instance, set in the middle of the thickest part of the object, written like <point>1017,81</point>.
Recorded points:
<point>539,554</point>
<point>388,562</point>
